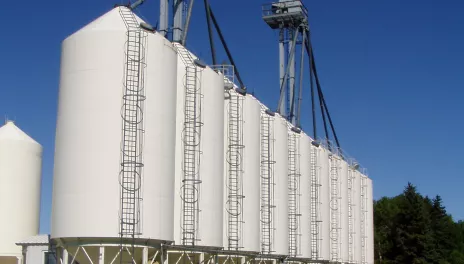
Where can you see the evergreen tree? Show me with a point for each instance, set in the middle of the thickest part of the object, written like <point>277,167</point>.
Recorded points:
<point>442,228</point>
<point>410,228</point>
<point>412,238</point>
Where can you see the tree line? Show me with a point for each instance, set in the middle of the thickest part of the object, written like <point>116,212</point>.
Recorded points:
<point>411,228</point>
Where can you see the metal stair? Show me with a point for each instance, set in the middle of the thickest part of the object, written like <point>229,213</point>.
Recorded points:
<point>294,193</point>
<point>191,136</point>
<point>131,166</point>
<point>267,182</point>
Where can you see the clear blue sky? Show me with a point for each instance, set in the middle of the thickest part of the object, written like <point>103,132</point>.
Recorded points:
<point>392,72</point>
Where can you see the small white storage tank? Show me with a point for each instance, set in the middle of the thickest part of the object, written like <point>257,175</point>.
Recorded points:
<point>370,223</point>
<point>281,186</point>
<point>305,190</point>
<point>323,163</point>
<point>20,174</point>
<point>343,207</point>
<point>86,187</point>
<point>210,116</point>
<point>250,120</point>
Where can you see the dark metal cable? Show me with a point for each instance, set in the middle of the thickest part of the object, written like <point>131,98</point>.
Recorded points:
<point>292,105</point>
<point>325,106</point>
<point>308,50</point>
<point>210,31</point>
<point>226,48</point>
<point>313,104</point>
<point>300,88</point>
<point>321,95</point>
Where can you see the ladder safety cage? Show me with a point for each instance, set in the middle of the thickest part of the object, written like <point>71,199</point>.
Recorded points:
<point>191,143</point>
<point>351,232</point>
<point>267,181</point>
<point>315,219</point>
<point>235,146</point>
<point>294,193</point>
<point>131,161</point>
<point>363,219</point>
<point>334,168</point>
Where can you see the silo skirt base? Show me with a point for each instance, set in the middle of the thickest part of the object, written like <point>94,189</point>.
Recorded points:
<point>147,251</point>
<point>108,251</point>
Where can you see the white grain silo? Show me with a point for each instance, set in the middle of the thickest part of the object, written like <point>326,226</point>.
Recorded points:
<point>370,223</point>
<point>305,190</point>
<point>242,115</point>
<point>97,70</point>
<point>20,174</point>
<point>343,207</point>
<point>323,167</point>
<point>281,222</point>
<point>199,153</point>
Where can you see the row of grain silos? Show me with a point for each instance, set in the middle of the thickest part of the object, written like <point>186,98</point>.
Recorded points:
<point>218,171</point>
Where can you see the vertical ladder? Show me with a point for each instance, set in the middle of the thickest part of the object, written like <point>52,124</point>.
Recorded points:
<point>235,171</point>
<point>191,136</point>
<point>314,205</point>
<point>350,214</point>
<point>132,132</point>
<point>267,182</point>
<point>294,193</point>
<point>363,219</point>
<point>334,208</point>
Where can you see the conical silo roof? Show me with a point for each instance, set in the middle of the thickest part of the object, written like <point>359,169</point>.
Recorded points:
<point>110,21</point>
<point>10,131</point>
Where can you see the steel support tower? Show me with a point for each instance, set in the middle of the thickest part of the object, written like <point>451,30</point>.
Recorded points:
<point>131,161</point>
<point>290,17</point>
<point>267,181</point>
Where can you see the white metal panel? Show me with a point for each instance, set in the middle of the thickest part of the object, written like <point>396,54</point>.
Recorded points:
<point>305,190</point>
<point>210,221</point>
<point>86,191</point>
<point>357,215</point>
<point>344,230</point>
<point>370,223</point>
<point>281,186</point>
<point>20,173</point>
<point>323,163</point>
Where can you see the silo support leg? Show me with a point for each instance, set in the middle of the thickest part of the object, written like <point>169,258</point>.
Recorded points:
<point>101,259</point>
<point>145,256</point>
<point>202,258</point>
<point>65,256</point>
